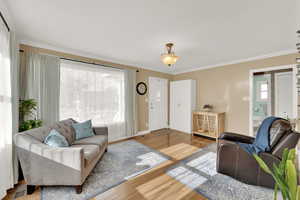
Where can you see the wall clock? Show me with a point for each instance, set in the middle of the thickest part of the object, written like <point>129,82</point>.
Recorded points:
<point>141,88</point>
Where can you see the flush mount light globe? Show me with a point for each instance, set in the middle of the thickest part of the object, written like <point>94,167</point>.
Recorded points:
<point>169,58</point>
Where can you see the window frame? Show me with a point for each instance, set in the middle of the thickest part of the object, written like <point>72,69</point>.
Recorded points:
<point>106,71</point>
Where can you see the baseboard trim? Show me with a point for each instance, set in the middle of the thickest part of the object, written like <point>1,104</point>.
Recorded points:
<point>143,132</point>
<point>130,137</point>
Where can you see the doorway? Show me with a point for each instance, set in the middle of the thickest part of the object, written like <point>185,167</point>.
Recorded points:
<point>272,93</point>
<point>158,103</point>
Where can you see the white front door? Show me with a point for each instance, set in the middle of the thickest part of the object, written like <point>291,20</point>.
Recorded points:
<point>284,94</point>
<point>158,103</point>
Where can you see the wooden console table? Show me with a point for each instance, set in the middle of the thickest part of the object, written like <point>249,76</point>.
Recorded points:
<point>209,124</point>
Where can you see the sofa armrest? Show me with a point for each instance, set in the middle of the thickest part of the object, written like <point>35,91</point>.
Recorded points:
<point>101,130</point>
<point>234,137</point>
<point>70,157</point>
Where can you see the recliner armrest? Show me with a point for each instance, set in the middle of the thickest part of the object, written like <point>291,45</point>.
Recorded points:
<point>234,137</point>
<point>101,130</point>
<point>269,158</point>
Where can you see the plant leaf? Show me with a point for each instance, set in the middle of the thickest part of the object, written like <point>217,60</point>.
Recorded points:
<point>291,178</point>
<point>284,159</point>
<point>262,164</point>
<point>292,155</point>
<point>278,170</point>
<point>298,193</point>
<point>275,191</point>
<point>280,181</point>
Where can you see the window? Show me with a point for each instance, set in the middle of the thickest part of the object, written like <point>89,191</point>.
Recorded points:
<point>263,92</point>
<point>92,92</point>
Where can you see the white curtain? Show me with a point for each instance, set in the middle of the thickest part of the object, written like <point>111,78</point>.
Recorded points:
<point>6,162</point>
<point>130,102</point>
<point>41,82</point>
<point>14,57</point>
<point>98,93</point>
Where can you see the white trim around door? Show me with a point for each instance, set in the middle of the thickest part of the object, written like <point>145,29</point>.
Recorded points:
<point>275,68</point>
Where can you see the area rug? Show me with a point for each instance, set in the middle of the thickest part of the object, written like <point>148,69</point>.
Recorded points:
<point>123,160</point>
<point>198,172</point>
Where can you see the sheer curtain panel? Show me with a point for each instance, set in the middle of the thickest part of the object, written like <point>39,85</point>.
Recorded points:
<point>130,102</point>
<point>6,163</point>
<point>14,57</point>
<point>40,81</point>
<point>99,93</point>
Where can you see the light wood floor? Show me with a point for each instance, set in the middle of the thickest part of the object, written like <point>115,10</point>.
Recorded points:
<point>153,184</point>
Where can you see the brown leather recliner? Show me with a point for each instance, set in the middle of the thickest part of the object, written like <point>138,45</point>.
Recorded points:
<point>233,161</point>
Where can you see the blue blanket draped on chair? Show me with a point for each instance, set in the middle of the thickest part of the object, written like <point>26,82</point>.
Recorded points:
<point>262,140</point>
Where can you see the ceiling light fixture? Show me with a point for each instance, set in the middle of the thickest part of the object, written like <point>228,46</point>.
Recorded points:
<point>169,58</point>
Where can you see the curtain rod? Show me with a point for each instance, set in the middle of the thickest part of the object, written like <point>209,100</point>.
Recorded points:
<point>5,22</point>
<point>69,59</point>
<point>62,58</point>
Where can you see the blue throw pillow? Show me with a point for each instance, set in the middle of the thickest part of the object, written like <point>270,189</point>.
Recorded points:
<point>55,139</point>
<point>83,130</point>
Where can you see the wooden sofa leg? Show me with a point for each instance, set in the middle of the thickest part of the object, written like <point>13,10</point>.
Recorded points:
<point>106,150</point>
<point>78,189</point>
<point>30,189</point>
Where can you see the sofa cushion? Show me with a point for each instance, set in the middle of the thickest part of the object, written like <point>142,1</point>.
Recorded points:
<point>99,140</point>
<point>64,127</point>
<point>55,139</point>
<point>90,152</point>
<point>83,130</point>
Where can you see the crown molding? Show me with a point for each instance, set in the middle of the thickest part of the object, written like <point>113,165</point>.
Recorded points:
<point>279,53</point>
<point>87,55</point>
<point>176,72</point>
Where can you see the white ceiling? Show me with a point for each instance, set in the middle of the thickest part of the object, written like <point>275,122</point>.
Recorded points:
<point>205,32</point>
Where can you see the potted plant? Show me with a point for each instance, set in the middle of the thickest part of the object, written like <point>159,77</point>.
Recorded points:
<point>284,174</point>
<point>28,115</point>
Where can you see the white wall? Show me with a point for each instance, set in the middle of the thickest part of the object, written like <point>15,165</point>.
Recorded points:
<point>7,15</point>
<point>298,15</point>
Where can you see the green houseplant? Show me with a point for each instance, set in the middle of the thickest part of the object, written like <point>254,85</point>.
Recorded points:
<point>284,174</point>
<point>28,110</point>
